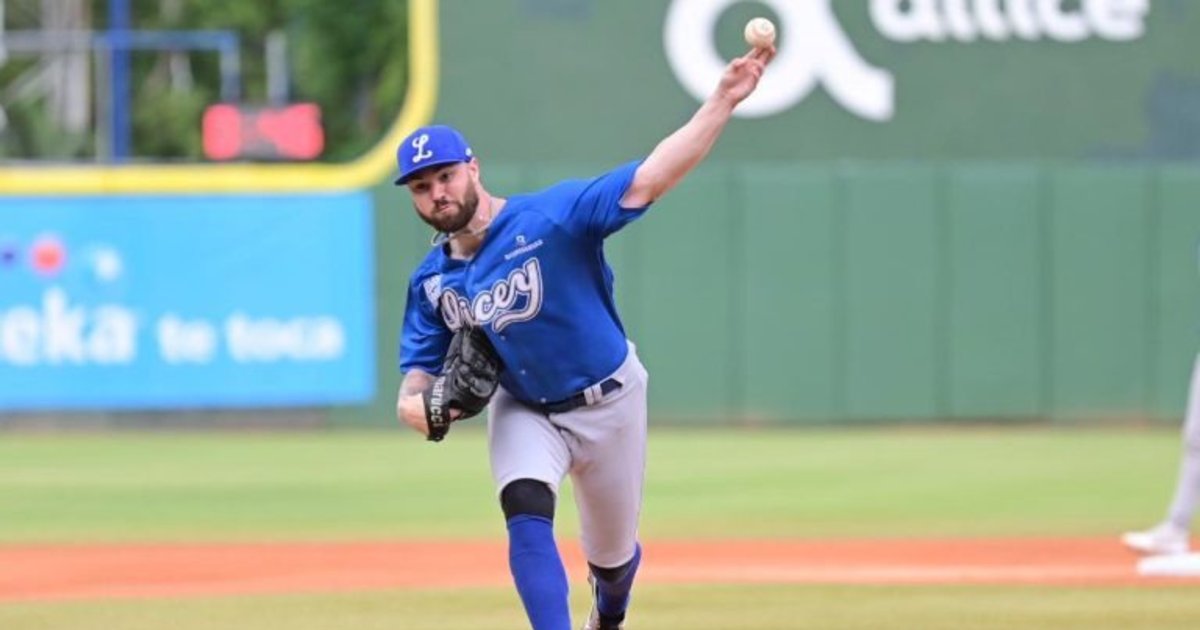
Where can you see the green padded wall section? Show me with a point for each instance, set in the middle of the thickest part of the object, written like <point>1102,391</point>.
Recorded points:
<point>801,292</point>
<point>1099,294</point>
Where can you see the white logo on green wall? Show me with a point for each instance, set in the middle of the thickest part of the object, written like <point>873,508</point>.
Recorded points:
<point>815,49</point>
<point>1002,20</point>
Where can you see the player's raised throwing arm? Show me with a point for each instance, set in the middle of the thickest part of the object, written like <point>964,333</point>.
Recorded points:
<point>681,151</point>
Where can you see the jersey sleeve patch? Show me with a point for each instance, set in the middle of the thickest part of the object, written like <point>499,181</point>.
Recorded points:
<point>424,336</point>
<point>433,289</point>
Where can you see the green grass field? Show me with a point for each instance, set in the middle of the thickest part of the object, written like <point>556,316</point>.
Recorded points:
<point>658,607</point>
<point>878,482</point>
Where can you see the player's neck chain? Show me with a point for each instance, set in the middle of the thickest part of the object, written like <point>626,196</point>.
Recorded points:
<point>441,238</point>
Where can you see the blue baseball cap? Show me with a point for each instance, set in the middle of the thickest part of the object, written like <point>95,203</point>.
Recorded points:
<point>434,145</point>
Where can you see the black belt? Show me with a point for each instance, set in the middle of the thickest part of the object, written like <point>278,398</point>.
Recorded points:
<point>580,399</point>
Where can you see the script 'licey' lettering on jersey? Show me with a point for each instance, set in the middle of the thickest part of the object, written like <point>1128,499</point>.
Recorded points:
<point>539,285</point>
<point>517,298</point>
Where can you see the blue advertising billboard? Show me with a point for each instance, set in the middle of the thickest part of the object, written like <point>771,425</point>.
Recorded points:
<point>183,301</point>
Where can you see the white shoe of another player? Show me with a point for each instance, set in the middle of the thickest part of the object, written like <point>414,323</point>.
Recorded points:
<point>1162,539</point>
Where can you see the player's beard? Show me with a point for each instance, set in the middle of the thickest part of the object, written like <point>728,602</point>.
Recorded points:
<point>449,222</point>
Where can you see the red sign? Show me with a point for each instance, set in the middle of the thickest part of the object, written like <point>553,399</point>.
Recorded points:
<point>292,132</point>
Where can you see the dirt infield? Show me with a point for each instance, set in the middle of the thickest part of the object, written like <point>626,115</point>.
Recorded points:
<point>108,571</point>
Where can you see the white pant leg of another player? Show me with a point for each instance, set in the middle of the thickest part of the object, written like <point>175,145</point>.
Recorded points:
<point>1170,536</point>
<point>1187,485</point>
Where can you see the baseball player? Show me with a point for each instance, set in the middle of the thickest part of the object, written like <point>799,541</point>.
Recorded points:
<point>1171,535</point>
<point>517,291</point>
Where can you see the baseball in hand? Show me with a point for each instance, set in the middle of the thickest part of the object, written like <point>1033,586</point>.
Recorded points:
<point>760,32</point>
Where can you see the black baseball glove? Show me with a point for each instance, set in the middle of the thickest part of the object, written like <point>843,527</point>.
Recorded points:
<point>468,381</point>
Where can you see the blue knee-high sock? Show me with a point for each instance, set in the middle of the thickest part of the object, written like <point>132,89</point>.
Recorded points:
<point>614,596</point>
<point>538,571</point>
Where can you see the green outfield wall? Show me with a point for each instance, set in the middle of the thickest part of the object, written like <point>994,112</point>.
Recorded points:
<point>550,80</point>
<point>936,209</point>
<point>784,291</point>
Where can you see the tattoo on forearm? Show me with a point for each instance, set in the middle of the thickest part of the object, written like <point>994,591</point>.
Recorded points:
<point>415,382</point>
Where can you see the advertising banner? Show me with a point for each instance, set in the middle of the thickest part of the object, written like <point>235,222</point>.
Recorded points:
<point>152,302</point>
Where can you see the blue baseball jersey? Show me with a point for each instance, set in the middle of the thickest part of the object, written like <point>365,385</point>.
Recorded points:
<point>538,285</point>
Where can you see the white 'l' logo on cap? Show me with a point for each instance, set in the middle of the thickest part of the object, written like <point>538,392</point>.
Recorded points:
<point>419,143</point>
